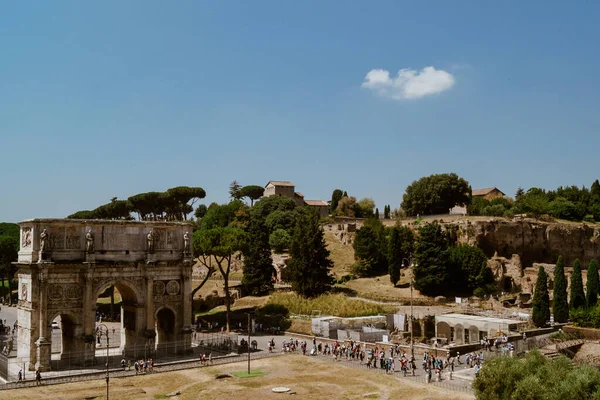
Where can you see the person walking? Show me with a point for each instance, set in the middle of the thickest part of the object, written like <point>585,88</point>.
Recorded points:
<point>38,378</point>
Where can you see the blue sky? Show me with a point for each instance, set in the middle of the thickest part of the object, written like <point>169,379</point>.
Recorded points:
<point>105,99</point>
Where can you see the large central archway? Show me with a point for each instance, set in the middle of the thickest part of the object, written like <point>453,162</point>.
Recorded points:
<point>124,333</point>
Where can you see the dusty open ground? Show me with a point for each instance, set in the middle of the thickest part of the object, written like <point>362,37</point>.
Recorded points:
<point>310,378</point>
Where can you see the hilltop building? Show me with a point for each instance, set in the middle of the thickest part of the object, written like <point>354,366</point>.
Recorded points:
<point>287,189</point>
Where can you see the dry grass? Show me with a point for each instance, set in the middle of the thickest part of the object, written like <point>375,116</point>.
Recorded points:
<point>303,326</point>
<point>310,378</point>
<point>329,304</point>
<point>381,289</point>
<point>341,255</point>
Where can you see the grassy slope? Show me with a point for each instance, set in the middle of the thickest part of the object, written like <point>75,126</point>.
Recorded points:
<point>341,255</point>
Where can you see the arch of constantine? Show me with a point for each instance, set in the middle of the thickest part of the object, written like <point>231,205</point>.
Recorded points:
<point>65,264</point>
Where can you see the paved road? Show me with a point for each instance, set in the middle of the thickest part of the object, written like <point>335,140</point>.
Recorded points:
<point>9,314</point>
<point>461,378</point>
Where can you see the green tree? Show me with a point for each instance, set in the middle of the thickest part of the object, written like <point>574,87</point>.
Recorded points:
<point>386,212</point>
<point>478,204</point>
<point>401,245</point>
<point>258,263</point>
<point>562,208</point>
<point>435,194</point>
<point>9,248</point>
<point>541,300</point>
<point>367,251</point>
<point>336,196</point>
<point>232,213</point>
<point>252,192</point>
<point>593,284</point>
<point>201,211</point>
<point>221,244</point>
<point>234,190</point>
<point>83,214</point>
<point>310,263</point>
<point>534,203</point>
<point>347,207</point>
<point>560,307</point>
<point>430,269</point>
<point>577,294</point>
<point>536,377</point>
<point>464,267</point>
<point>9,229</point>
<point>519,194</point>
<point>376,215</point>
<point>485,281</point>
<point>279,240</point>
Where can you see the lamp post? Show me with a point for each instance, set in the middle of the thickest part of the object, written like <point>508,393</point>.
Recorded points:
<point>102,330</point>
<point>249,324</point>
<point>410,264</point>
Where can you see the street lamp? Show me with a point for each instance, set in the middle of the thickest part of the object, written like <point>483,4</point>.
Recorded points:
<point>249,323</point>
<point>410,264</point>
<point>102,330</point>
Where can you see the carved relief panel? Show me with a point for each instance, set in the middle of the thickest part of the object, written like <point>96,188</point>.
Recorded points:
<point>26,238</point>
<point>160,239</point>
<point>73,238</point>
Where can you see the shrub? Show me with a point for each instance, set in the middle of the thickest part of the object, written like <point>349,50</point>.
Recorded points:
<point>328,304</point>
<point>536,377</point>
<point>346,278</point>
<point>279,240</point>
<point>589,218</point>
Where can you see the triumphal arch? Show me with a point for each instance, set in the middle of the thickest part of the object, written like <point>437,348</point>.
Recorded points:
<point>65,264</point>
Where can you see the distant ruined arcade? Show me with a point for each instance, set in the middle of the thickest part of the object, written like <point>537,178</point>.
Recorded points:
<point>65,264</point>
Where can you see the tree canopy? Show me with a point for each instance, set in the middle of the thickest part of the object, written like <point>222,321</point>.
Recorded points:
<point>252,192</point>
<point>221,243</point>
<point>310,263</point>
<point>593,284</point>
<point>540,314</point>
<point>536,377</point>
<point>174,204</point>
<point>436,194</point>
<point>431,260</point>
<point>400,246</point>
<point>560,306</point>
<point>577,293</point>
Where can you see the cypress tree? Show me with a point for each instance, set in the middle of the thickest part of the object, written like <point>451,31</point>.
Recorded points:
<point>376,213</point>
<point>593,284</point>
<point>541,300</point>
<point>394,256</point>
<point>577,294</point>
<point>310,263</point>
<point>258,264</point>
<point>560,306</point>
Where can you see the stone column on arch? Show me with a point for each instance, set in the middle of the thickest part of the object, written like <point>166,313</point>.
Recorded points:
<point>43,345</point>
<point>89,316</point>
<point>150,332</point>
<point>187,302</point>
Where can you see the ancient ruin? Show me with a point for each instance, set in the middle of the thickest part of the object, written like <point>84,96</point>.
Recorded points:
<point>65,264</point>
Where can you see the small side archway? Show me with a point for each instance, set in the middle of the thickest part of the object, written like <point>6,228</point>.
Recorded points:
<point>65,330</point>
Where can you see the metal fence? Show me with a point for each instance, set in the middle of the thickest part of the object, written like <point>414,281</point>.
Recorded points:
<point>119,372</point>
<point>75,363</point>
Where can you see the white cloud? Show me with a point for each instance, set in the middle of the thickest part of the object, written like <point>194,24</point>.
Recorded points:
<point>409,83</point>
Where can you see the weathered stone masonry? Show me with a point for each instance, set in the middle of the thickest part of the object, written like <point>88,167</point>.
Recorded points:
<point>64,265</point>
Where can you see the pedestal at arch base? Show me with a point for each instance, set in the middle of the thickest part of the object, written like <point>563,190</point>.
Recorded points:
<point>43,355</point>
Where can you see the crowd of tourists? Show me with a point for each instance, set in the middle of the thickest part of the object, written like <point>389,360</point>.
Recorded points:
<point>141,366</point>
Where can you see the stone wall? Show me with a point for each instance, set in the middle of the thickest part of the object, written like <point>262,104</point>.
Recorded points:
<point>533,241</point>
